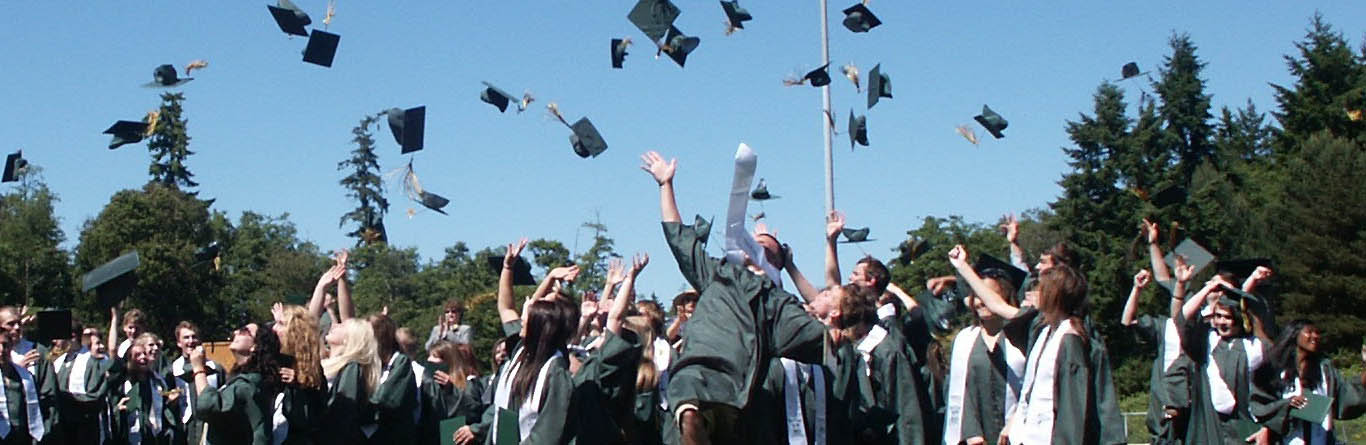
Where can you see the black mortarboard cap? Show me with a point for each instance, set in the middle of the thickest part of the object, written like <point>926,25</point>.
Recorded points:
<point>207,252</point>
<point>408,126</point>
<point>521,271</point>
<point>1173,194</point>
<point>434,201</point>
<point>859,19</point>
<point>165,76</point>
<point>760,192</point>
<point>879,85</point>
<point>126,132</point>
<point>586,140</point>
<point>679,45</point>
<point>987,265</point>
<point>54,325</point>
<point>911,249</point>
<point>858,130</point>
<point>618,56</point>
<point>114,280</point>
<point>819,77</point>
<point>653,17</point>
<point>1242,268</point>
<point>736,14</point>
<point>1196,255</point>
<point>1129,70</point>
<point>855,235</point>
<point>322,47</point>
<point>993,122</point>
<point>496,97</point>
<point>291,19</point>
<point>14,162</point>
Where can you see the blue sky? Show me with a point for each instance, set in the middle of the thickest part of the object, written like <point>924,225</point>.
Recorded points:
<point>268,129</point>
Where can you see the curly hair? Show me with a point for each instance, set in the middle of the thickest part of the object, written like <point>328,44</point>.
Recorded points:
<point>264,360</point>
<point>301,341</point>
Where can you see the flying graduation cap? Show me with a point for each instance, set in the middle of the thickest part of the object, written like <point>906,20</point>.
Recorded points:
<point>618,53</point>
<point>760,192</point>
<point>500,99</point>
<point>585,139</point>
<point>736,16</point>
<point>165,76</point>
<point>818,77</point>
<point>1173,194</point>
<point>993,122</point>
<point>1129,71</point>
<point>855,235</point>
<point>291,19</point>
<point>408,126</point>
<point>126,132</point>
<point>521,270</point>
<point>14,164</point>
<point>859,19</point>
<point>858,130</point>
<point>434,201</point>
<point>677,46</point>
<point>113,281</point>
<point>991,267</point>
<point>321,48</point>
<point>654,17</point>
<point>879,85</point>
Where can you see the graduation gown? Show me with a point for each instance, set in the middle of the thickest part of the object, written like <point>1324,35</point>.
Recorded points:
<point>742,321</point>
<point>1086,410</point>
<point>1161,331</point>
<point>182,376</point>
<point>769,407</point>
<point>985,390</point>
<point>303,410</point>
<point>888,401</point>
<point>45,379</point>
<point>918,327</point>
<point>78,412</point>
<point>1207,425</point>
<point>237,413</point>
<point>347,408</point>
<point>553,420</point>
<point>444,402</point>
<point>1271,404</point>
<point>604,402</point>
<point>396,403</point>
<point>143,409</point>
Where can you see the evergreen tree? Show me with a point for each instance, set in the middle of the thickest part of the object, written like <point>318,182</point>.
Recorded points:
<point>593,262</point>
<point>170,145</point>
<point>1329,81</point>
<point>34,269</point>
<point>365,185</point>
<point>1184,108</point>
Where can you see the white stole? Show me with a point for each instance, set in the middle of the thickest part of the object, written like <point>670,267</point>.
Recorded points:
<point>1222,398</point>
<point>153,416</point>
<point>187,392</point>
<point>1032,421</point>
<point>35,413</point>
<point>1171,344</point>
<point>75,383</point>
<point>124,345</point>
<point>17,353</point>
<point>886,311</point>
<point>279,424</point>
<point>792,399</point>
<point>961,356</point>
<point>1318,432</point>
<point>531,407</point>
<point>663,356</point>
<point>865,347</point>
<point>739,243</point>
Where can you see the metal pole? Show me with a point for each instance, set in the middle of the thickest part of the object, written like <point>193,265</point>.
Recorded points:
<point>826,115</point>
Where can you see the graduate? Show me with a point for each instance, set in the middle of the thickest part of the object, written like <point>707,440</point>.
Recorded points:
<point>651,405</point>
<point>296,412</point>
<point>239,412</point>
<point>1060,397</point>
<point>22,418</point>
<point>82,383</point>
<point>605,383</point>
<point>449,387</point>
<point>986,370</point>
<point>396,397</point>
<point>352,371</point>
<point>134,324</point>
<point>142,411</point>
<point>1225,350</point>
<point>189,429</point>
<point>684,304</point>
<point>743,319</point>
<point>1296,372</point>
<point>887,407</point>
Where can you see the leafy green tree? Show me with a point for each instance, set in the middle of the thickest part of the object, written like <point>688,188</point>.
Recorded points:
<point>548,254</point>
<point>34,269</point>
<point>170,145</point>
<point>385,276</point>
<point>262,261</point>
<point>365,185</point>
<point>942,234</point>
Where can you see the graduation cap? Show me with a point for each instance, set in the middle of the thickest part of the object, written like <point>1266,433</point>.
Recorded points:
<point>911,249</point>
<point>1196,255</point>
<point>989,266</point>
<point>521,271</point>
<point>859,19</point>
<point>879,85</point>
<point>291,19</point>
<point>586,140</point>
<point>736,16</point>
<point>993,122</point>
<point>1242,268</point>
<point>165,76</point>
<point>818,77</point>
<point>498,98</point>
<point>114,280</point>
<point>373,231</point>
<point>618,56</point>
<point>677,46</point>
<point>653,17</point>
<point>434,201</point>
<point>207,252</point>
<point>1173,194</point>
<point>1130,70</point>
<point>760,192</point>
<point>126,132</point>
<point>322,47</point>
<point>14,163</point>
<point>54,325</point>
<point>855,235</point>
<point>858,130</point>
<point>407,127</point>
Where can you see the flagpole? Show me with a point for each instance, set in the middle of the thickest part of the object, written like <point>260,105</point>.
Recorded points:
<point>826,115</point>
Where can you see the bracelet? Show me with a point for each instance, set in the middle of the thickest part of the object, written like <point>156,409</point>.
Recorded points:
<point>201,371</point>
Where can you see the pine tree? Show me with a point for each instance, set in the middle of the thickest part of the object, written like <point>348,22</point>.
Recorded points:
<point>1185,108</point>
<point>170,145</point>
<point>366,186</point>
<point>1330,81</point>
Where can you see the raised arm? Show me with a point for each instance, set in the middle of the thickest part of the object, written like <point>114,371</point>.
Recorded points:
<point>318,303</point>
<point>1191,308</point>
<point>994,302</point>
<point>834,224</point>
<point>626,295</point>
<point>663,173</point>
<point>1184,273</point>
<point>507,309</point>
<point>1160,270</point>
<point>556,276</point>
<point>345,308</point>
<point>1017,253</point>
<point>112,340</point>
<point>1130,315</point>
<point>1259,276</point>
<point>616,273</point>
<point>804,287</point>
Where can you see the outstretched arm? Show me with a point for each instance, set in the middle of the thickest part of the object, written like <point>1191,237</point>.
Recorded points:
<point>556,275</point>
<point>1160,270</point>
<point>626,295</point>
<point>1130,315</point>
<point>113,339</point>
<point>834,224</point>
<point>318,303</point>
<point>507,309</point>
<point>1184,273</point>
<point>1258,276</point>
<point>663,173</point>
<point>1017,253</point>
<point>994,302</point>
<point>345,307</point>
<point>1192,305</point>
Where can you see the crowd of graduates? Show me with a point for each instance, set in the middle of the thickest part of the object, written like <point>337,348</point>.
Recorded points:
<point>856,360</point>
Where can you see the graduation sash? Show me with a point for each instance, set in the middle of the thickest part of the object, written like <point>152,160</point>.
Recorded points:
<point>530,408</point>
<point>1171,344</point>
<point>958,378</point>
<point>279,424</point>
<point>886,311</point>
<point>792,398</point>
<point>74,382</point>
<point>35,413</point>
<point>153,417</point>
<point>1318,432</point>
<point>865,347</point>
<point>17,353</point>
<point>1032,421</point>
<point>739,243</point>
<point>187,392</point>
<point>1223,399</point>
<point>663,355</point>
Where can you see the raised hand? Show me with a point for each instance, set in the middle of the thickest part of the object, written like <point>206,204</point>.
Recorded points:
<point>564,273</point>
<point>616,272</point>
<point>277,312</point>
<point>834,224</point>
<point>654,164</point>
<point>514,251</point>
<point>30,358</point>
<point>1142,279</point>
<point>959,257</point>
<point>638,263</point>
<point>588,308</point>
<point>1150,231</point>
<point>197,358</point>
<point>1011,228</point>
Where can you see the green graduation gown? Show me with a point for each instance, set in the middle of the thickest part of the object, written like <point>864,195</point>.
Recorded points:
<point>1271,404</point>
<point>604,392</point>
<point>303,410</point>
<point>1161,383</point>
<point>889,399</point>
<point>984,391</point>
<point>1207,425</point>
<point>1086,410</point>
<point>185,433</point>
<point>237,413</point>
<point>919,326</point>
<point>742,322</point>
<point>770,408</point>
<point>78,414</point>
<point>444,402</point>
<point>395,400</point>
<point>347,408</point>
<point>140,407</point>
<point>553,417</point>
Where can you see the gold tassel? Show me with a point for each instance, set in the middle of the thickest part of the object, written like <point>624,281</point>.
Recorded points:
<point>527,99</point>
<point>195,65</point>
<point>331,12</point>
<point>153,117</point>
<point>851,72</point>
<point>968,134</point>
<point>555,111</point>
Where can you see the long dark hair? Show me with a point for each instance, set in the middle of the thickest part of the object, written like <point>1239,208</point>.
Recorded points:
<point>549,325</point>
<point>264,360</point>
<point>386,337</point>
<point>1062,290</point>
<point>1285,355</point>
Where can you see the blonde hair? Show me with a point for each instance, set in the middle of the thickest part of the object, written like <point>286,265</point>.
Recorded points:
<point>302,342</point>
<point>360,347</point>
<point>647,376</point>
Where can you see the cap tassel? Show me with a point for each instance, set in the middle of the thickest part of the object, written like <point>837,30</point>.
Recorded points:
<point>851,72</point>
<point>792,80</point>
<point>1247,318</point>
<point>527,99</point>
<point>730,28</point>
<point>968,134</point>
<point>153,117</point>
<point>331,12</point>
<point>555,111</point>
<point>195,65</point>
